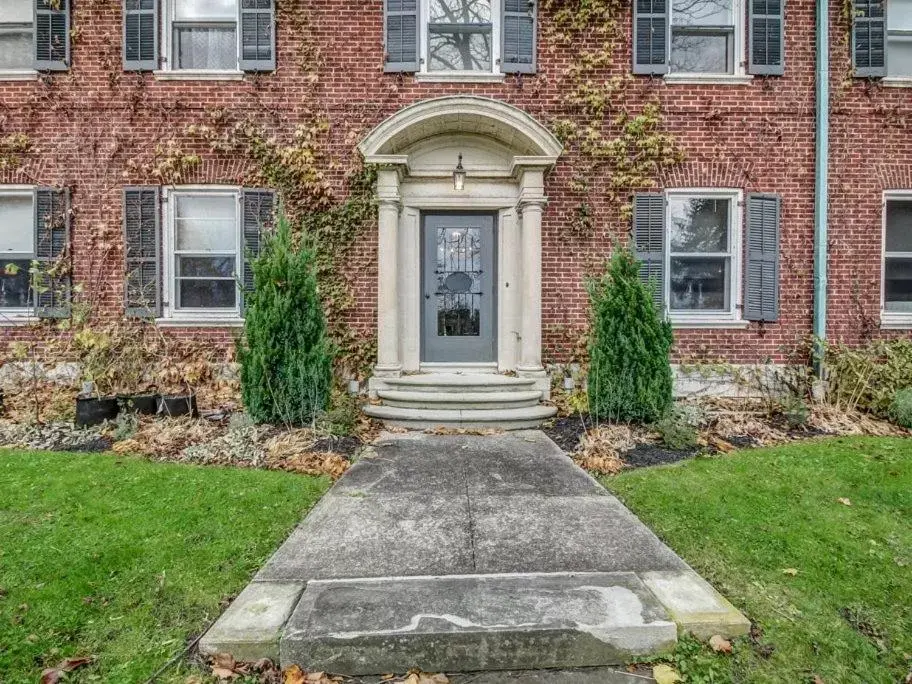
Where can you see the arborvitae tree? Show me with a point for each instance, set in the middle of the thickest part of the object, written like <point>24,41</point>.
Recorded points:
<point>286,357</point>
<point>629,370</point>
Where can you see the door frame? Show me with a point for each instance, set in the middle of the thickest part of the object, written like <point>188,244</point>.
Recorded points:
<point>494,282</point>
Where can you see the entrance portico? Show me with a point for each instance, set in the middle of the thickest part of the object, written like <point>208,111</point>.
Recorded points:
<point>458,264</point>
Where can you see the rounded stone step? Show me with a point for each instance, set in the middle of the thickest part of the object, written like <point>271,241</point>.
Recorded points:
<point>505,419</point>
<point>459,400</point>
<point>454,382</point>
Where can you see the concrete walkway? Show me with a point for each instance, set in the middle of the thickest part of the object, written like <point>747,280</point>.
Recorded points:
<point>468,553</point>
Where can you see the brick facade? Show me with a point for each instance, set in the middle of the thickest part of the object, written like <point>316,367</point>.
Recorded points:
<point>91,125</point>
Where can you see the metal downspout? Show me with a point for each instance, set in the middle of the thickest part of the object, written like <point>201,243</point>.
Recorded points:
<point>821,179</point>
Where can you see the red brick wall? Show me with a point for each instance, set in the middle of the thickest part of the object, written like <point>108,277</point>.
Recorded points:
<point>88,124</point>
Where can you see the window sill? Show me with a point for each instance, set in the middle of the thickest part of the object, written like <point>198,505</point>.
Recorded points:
<point>193,75</point>
<point>459,78</point>
<point>14,319</point>
<point>896,82</point>
<point>708,79</point>
<point>895,321</point>
<point>201,321</point>
<point>708,322</point>
<point>19,75</point>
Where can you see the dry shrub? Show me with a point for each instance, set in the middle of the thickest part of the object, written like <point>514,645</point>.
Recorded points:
<point>832,419</point>
<point>168,438</point>
<point>293,451</point>
<point>599,447</point>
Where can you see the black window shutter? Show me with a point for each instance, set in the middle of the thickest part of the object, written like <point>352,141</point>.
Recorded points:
<point>650,36</point>
<point>869,38</point>
<point>52,239</point>
<point>518,43</point>
<point>649,242</point>
<point>766,52</point>
<point>52,35</point>
<point>142,251</point>
<point>140,35</point>
<point>400,19</point>
<point>257,22</point>
<point>258,212</point>
<point>761,274</point>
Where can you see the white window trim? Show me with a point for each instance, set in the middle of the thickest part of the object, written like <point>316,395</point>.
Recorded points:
<point>171,315</point>
<point>739,75</point>
<point>168,73</point>
<point>15,316</point>
<point>890,319</point>
<point>18,75</point>
<point>731,318</point>
<point>496,73</point>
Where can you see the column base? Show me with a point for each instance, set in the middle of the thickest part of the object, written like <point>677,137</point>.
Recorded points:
<point>392,370</point>
<point>541,377</point>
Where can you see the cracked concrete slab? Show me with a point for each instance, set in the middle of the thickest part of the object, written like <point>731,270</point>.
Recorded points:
<point>475,622</point>
<point>421,511</point>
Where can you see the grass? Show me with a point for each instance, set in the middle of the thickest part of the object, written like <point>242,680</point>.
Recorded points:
<point>743,520</point>
<point>124,560</point>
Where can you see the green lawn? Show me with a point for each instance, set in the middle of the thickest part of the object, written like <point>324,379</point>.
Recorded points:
<point>122,559</point>
<point>742,519</point>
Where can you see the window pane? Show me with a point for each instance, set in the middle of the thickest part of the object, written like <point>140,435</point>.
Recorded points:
<point>459,51</point>
<point>460,12</point>
<point>899,15</point>
<point>702,13</point>
<point>707,53</point>
<point>206,267</point>
<point>206,48</point>
<point>899,226</point>
<point>698,224</point>
<point>14,282</point>
<point>206,9</point>
<point>206,294</point>
<point>699,284</point>
<point>17,11</point>
<point>898,284</point>
<point>16,49</point>
<point>899,56</point>
<point>17,232</point>
<point>206,224</point>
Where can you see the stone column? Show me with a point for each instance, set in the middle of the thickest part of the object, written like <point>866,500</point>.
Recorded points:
<point>530,330</point>
<point>388,362</point>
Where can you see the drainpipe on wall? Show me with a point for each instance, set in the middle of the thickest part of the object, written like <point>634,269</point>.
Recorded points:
<point>821,181</point>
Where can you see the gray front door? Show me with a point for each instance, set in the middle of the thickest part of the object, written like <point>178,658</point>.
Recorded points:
<point>457,318</point>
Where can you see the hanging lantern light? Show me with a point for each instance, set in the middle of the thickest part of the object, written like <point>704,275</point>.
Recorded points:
<point>459,176</point>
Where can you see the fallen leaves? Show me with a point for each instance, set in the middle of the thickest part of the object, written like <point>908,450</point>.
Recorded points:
<point>720,644</point>
<point>599,447</point>
<point>790,572</point>
<point>52,675</point>
<point>844,501</point>
<point>665,674</point>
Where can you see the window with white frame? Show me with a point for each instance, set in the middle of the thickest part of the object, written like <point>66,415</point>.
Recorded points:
<point>202,35</point>
<point>460,35</point>
<point>899,38</point>
<point>204,252</point>
<point>16,34</point>
<point>703,254</point>
<point>17,248</point>
<point>897,266</point>
<point>706,36</point>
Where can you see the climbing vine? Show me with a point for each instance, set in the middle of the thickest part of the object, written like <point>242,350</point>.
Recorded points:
<point>12,146</point>
<point>630,147</point>
<point>294,169</point>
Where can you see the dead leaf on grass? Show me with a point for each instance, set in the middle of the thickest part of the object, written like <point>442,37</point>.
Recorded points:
<point>844,501</point>
<point>665,674</point>
<point>720,644</point>
<point>791,572</point>
<point>52,675</point>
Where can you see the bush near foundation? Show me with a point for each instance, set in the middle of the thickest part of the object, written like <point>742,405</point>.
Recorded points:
<point>629,370</point>
<point>869,377</point>
<point>286,356</point>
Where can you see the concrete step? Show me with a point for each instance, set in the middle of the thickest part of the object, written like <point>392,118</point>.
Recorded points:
<point>455,382</point>
<point>528,417</point>
<point>460,400</point>
<point>475,622</point>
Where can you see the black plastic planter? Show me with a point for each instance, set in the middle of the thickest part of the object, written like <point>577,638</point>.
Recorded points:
<point>95,410</point>
<point>145,404</point>
<point>178,405</point>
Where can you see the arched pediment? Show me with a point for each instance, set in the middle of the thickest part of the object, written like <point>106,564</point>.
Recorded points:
<point>510,127</point>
